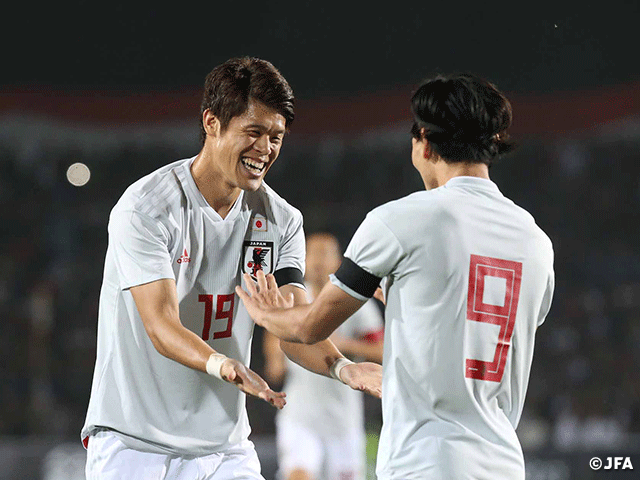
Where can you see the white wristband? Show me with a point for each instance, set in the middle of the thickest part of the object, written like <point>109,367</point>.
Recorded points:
<point>214,364</point>
<point>338,365</point>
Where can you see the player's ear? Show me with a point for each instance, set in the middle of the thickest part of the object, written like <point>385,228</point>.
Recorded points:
<point>211,123</point>
<point>428,153</point>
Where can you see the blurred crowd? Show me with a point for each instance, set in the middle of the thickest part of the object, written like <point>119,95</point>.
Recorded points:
<point>583,191</point>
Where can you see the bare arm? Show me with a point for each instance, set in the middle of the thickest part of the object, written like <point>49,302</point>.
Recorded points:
<point>323,353</point>
<point>360,347</point>
<point>317,358</point>
<point>320,357</point>
<point>157,303</point>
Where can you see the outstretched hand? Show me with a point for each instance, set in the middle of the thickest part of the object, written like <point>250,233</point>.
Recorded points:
<point>364,376</point>
<point>263,296</point>
<point>250,382</point>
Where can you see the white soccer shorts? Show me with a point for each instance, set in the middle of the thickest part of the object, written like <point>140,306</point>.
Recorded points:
<point>110,459</point>
<point>325,457</point>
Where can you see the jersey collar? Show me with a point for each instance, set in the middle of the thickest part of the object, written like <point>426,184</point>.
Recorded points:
<point>473,182</point>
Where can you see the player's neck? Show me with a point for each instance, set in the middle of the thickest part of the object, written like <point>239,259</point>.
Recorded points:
<point>218,194</point>
<point>443,172</point>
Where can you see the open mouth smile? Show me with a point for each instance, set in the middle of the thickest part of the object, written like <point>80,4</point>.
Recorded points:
<point>254,166</point>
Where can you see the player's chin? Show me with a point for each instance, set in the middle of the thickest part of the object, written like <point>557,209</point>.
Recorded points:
<point>251,185</point>
<point>250,181</point>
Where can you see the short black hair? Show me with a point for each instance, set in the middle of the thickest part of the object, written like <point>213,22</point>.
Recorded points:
<point>464,118</point>
<point>229,87</point>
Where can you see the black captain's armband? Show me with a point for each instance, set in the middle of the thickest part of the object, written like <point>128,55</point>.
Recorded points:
<point>285,276</point>
<point>357,279</point>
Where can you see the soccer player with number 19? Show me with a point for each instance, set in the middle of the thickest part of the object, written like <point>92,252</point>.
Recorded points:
<point>173,343</point>
<point>469,280</point>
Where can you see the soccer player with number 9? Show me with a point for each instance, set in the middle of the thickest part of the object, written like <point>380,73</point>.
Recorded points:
<point>469,279</point>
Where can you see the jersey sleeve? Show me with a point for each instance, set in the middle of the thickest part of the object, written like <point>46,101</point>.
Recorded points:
<point>373,253</point>
<point>546,301</point>
<point>289,268</point>
<point>139,246</point>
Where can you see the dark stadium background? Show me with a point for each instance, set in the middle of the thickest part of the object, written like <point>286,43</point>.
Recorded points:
<point>118,87</point>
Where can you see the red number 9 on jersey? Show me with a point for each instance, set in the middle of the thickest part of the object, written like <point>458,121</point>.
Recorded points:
<point>489,309</point>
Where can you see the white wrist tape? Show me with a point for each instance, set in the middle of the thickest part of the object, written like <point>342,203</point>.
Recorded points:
<point>214,364</point>
<point>338,365</point>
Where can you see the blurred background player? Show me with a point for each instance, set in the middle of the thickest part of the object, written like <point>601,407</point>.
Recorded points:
<point>469,280</point>
<point>321,433</point>
<point>173,342</point>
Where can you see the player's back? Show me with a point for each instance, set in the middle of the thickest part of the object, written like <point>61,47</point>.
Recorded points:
<point>473,282</point>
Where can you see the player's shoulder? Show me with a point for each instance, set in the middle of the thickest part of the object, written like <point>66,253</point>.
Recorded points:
<point>525,221</point>
<point>539,235</point>
<point>152,194</point>
<point>528,221</point>
<point>400,209</point>
<point>265,200</point>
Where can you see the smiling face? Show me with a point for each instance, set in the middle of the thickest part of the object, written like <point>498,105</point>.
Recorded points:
<point>246,149</point>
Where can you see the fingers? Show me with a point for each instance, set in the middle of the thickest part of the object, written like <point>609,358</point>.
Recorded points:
<point>264,286</point>
<point>252,384</point>
<point>271,283</point>
<point>241,293</point>
<point>251,285</point>
<point>365,376</point>
<point>277,399</point>
<point>262,281</point>
<point>267,394</point>
<point>376,392</point>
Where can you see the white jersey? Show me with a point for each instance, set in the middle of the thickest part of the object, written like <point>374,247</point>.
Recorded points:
<point>323,404</point>
<point>469,279</point>
<point>162,227</point>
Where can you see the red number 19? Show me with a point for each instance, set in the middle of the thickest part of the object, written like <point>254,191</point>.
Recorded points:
<point>221,313</point>
<point>503,315</point>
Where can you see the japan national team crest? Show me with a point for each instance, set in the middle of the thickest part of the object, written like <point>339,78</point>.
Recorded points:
<point>257,256</point>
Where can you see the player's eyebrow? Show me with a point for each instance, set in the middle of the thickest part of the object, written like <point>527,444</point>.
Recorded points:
<point>263,128</point>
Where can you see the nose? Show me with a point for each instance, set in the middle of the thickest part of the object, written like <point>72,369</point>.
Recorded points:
<point>262,145</point>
